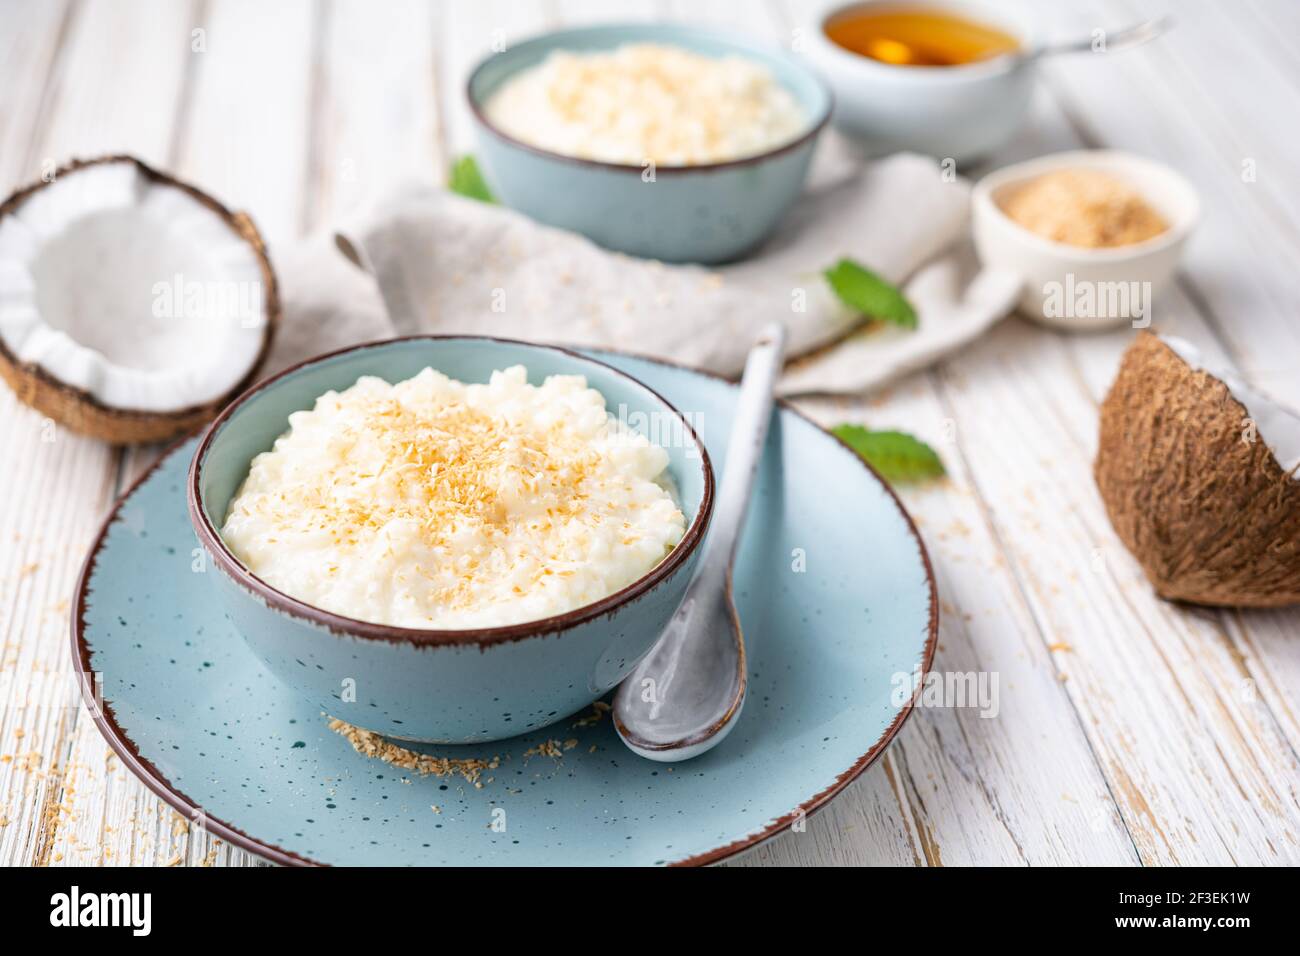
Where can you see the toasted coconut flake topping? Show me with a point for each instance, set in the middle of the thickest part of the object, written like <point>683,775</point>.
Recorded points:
<point>432,503</point>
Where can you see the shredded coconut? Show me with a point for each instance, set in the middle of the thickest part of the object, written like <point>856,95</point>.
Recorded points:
<point>432,503</point>
<point>648,102</point>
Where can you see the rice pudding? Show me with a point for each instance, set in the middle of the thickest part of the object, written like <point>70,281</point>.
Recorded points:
<point>432,503</point>
<point>647,102</point>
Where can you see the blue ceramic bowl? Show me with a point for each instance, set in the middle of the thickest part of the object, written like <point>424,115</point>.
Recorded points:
<point>444,686</point>
<point>707,213</point>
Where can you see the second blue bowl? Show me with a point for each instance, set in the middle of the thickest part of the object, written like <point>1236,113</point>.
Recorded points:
<point>708,213</point>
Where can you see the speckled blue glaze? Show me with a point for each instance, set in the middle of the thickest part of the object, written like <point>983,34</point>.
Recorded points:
<point>446,687</point>
<point>195,713</point>
<point>706,214</point>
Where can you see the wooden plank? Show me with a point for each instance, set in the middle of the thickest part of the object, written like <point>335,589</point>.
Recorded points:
<point>1250,641</point>
<point>246,133</point>
<point>1086,371</point>
<point>378,117</point>
<point>572,13</point>
<point>467,33</point>
<point>1277,25</point>
<point>120,81</point>
<point>1012,780</point>
<point>31,36</point>
<point>762,19</point>
<point>64,482</point>
<point>861,827</point>
<point>34,717</point>
<point>242,134</point>
<point>1253,641</point>
<point>970,789</point>
<point>1240,262</point>
<point>1264,643</point>
<point>1239,108</point>
<point>1094,359</point>
<point>120,84</point>
<point>1202,772</point>
<point>55,486</point>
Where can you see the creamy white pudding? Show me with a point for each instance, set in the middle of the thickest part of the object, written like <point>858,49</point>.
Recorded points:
<point>647,102</point>
<point>432,503</point>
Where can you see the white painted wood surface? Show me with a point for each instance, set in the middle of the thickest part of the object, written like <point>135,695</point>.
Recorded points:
<point>1128,731</point>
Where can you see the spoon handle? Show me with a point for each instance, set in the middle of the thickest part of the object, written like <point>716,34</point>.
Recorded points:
<point>1132,36</point>
<point>745,447</point>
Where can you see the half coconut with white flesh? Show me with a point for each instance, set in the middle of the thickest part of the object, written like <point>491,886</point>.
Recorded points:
<point>1200,474</point>
<point>132,306</point>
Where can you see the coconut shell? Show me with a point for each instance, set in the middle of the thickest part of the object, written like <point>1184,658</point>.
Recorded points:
<point>1212,518</point>
<point>80,411</point>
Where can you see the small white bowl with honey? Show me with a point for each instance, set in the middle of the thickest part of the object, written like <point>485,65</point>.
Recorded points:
<point>943,79</point>
<point>1093,234</point>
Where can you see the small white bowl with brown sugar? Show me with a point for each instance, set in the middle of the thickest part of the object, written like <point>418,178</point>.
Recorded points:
<point>1093,234</point>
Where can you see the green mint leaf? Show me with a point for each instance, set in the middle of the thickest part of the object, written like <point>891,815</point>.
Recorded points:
<point>467,181</point>
<point>862,290</point>
<point>896,455</point>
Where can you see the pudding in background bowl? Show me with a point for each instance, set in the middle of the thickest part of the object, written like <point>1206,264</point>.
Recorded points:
<point>485,551</point>
<point>564,123</point>
<point>647,102</point>
<point>935,78</point>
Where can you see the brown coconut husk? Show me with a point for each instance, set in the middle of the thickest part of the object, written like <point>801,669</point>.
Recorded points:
<point>79,411</point>
<point>1212,518</point>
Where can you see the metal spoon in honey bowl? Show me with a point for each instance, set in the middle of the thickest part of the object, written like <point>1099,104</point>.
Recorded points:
<point>687,693</point>
<point>1114,41</point>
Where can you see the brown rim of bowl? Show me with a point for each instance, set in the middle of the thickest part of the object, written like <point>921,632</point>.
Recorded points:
<point>160,785</point>
<point>434,637</point>
<point>811,133</point>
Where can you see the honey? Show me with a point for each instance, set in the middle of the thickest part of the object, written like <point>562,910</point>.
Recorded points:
<point>917,35</point>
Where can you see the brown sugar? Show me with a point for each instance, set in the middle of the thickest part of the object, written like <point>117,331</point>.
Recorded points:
<point>1083,207</point>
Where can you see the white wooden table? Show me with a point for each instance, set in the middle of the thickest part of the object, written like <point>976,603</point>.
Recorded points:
<point>1129,731</point>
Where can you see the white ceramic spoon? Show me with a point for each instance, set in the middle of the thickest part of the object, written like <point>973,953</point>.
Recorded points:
<point>685,696</point>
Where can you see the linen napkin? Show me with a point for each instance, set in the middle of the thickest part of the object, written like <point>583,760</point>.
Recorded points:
<point>445,264</point>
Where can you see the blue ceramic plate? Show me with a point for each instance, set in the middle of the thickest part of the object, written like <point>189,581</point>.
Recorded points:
<point>835,594</point>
